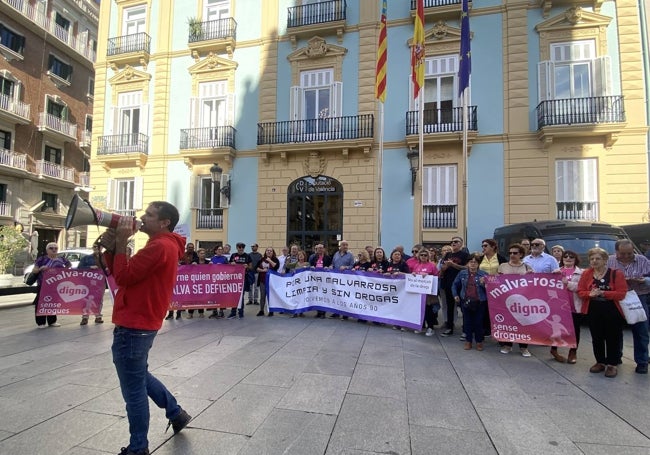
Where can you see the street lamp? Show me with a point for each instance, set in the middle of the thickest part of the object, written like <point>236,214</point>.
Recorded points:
<point>413,156</point>
<point>216,172</point>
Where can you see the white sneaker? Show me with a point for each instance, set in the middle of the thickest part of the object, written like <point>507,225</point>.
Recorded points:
<point>416,331</point>
<point>42,326</point>
<point>505,349</point>
<point>55,324</point>
<point>429,333</point>
<point>525,352</point>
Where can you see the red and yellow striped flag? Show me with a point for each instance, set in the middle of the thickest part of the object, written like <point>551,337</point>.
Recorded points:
<point>382,56</point>
<point>417,50</point>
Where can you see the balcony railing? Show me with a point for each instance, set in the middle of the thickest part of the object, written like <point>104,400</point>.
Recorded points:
<point>138,42</point>
<point>13,159</point>
<point>5,209</point>
<point>442,120</point>
<point>55,170</point>
<point>577,111</point>
<point>41,19</point>
<point>54,123</point>
<point>15,107</point>
<point>434,3</point>
<point>209,219</point>
<point>316,13</point>
<point>316,130</point>
<point>439,216</point>
<point>209,30</point>
<point>123,143</point>
<point>84,179</point>
<point>577,210</point>
<point>209,137</point>
<point>86,138</point>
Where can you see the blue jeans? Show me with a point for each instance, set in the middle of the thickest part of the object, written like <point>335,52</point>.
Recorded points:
<point>130,353</point>
<point>640,335</point>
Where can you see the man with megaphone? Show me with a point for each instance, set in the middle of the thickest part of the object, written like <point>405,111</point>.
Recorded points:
<point>145,283</point>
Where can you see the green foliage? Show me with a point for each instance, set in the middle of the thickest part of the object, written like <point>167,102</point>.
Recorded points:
<point>12,242</point>
<point>195,26</point>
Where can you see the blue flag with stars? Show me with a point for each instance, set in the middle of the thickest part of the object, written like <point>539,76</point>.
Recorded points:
<point>465,51</point>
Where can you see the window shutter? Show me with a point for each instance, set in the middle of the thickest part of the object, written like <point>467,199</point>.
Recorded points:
<point>138,187</point>
<point>110,193</point>
<point>194,112</point>
<point>336,101</point>
<point>440,185</point>
<point>144,119</point>
<point>602,69</point>
<point>113,127</point>
<point>296,103</point>
<point>50,62</point>
<point>576,180</point>
<point>195,191</point>
<point>224,201</point>
<point>546,82</point>
<point>230,109</point>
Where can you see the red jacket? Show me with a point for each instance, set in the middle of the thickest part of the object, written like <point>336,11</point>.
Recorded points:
<point>616,282</point>
<point>146,282</point>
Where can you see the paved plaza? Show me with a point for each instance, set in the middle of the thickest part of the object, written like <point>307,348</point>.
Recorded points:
<point>307,386</point>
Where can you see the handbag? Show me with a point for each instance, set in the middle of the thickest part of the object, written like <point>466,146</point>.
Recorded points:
<point>632,308</point>
<point>31,278</point>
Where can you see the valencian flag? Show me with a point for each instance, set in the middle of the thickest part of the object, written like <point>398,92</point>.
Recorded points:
<point>382,55</point>
<point>465,51</point>
<point>417,50</point>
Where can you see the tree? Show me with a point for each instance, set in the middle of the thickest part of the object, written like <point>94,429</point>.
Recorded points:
<point>12,242</point>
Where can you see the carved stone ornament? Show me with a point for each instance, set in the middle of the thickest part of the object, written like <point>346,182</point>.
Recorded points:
<point>439,30</point>
<point>316,47</point>
<point>315,164</point>
<point>211,61</point>
<point>128,73</point>
<point>573,15</point>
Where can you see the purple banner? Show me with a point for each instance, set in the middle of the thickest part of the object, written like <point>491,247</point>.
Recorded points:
<point>73,292</point>
<point>208,286</point>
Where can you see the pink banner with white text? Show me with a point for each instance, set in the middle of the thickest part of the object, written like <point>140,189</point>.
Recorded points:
<point>208,286</point>
<point>533,308</point>
<point>71,292</point>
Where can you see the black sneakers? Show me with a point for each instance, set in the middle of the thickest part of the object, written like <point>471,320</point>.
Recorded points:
<point>127,451</point>
<point>179,422</point>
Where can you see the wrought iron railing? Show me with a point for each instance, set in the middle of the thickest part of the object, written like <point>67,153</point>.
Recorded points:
<point>583,210</point>
<point>439,216</point>
<point>316,13</point>
<point>316,130</point>
<point>209,219</point>
<point>434,3</point>
<point>52,122</point>
<point>209,30</point>
<point>123,143</point>
<point>86,138</point>
<point>208,137</point>
<point>84,179</point>
<point>5,208</point>
<point>15,107</point>
<point>442,120</point>
<point>13,159</point>
<point>576,111</point>
<point>55,170</point>
<point>138,42</point>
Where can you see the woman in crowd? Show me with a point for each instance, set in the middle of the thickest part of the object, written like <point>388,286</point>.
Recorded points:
<point>378,263</point>
<point>601,289</point>
<point>202,260</point>
<point>490,265</point>
<point>218,257</point>
<point>571,274</point>
<point>515,266</point>
<point>302,262</point>
<point>291,260</point>
<point>268,262</point>
<point>557,251</point>
<point>396,265</point>
<point>363,261</point>
<point>441,294</point>
<point>424,266</point>
<point>50,260</point>
<point>469,292</point>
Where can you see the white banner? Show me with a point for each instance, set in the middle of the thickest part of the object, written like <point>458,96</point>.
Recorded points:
<point>421,284</point>
<point>363,295</point>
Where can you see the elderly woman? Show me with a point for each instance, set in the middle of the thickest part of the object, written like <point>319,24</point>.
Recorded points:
<point>468,290</point>
<point>490,265</point>
<point>600,289</point>
<point>48,261</point>
<point>571,274</point>
<point>557,251</point>
<point>425,266</point>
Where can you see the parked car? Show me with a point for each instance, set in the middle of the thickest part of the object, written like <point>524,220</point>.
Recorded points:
<point>640,235</point>
<point>73,255</point>
<point>578,236</point>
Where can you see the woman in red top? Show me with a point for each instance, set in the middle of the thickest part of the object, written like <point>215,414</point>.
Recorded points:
<point>600,289</point>
<point>424,266</point>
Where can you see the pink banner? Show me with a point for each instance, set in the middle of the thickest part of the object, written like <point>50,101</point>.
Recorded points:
<point>68,291</point>
<point>208,286</point>
<point>533,308</point>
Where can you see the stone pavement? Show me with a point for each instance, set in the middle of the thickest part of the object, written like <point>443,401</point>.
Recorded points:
<point>307,386</point>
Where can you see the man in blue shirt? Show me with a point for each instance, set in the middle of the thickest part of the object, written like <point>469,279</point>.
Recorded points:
<point>539,261</point>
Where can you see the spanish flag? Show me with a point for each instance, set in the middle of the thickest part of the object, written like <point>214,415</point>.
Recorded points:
<point>417,50</point>
<point>382,55</point>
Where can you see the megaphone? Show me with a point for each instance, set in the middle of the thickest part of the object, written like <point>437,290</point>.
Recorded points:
<point>81,213</point>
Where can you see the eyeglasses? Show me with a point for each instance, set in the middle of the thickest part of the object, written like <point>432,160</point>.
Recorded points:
<point>569,256</point>
<point>424,254</point>
<point>536,244</point>
<point>513,252</point>
<point>485,245</point>
<point>455,241</point>
<point>414,251</point>
<point>52,248</point>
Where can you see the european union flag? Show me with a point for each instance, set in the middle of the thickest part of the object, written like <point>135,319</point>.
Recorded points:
<point>465,51</point>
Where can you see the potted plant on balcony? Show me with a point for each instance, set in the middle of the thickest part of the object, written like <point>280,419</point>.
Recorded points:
<point>196,29</point>
<point>12,242</point>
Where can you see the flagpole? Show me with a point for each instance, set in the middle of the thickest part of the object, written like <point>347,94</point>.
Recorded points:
<point>380,161</point>
<point>465,162</point>
<point>420,137</point>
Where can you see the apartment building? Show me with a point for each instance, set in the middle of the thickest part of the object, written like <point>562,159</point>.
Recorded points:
<point>46,114</point>
<point>258,118</point>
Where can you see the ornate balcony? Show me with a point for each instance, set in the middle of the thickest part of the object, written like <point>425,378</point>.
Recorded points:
<point>441,125</point>
<point>213,36</point>
<point>581,117</point>
<point>209,218</point>
<point>319,18</point>
<point>14,111</point>
<point>48,169</point>
<point>5,209</point>
<point>439,9</point>
<point>129,49</point>
<point>86,140</point>
<point>12,160</point>
<point>440,216</point>
<point>57,128</point>
<point>208,144</point>
<point>123,149</point>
